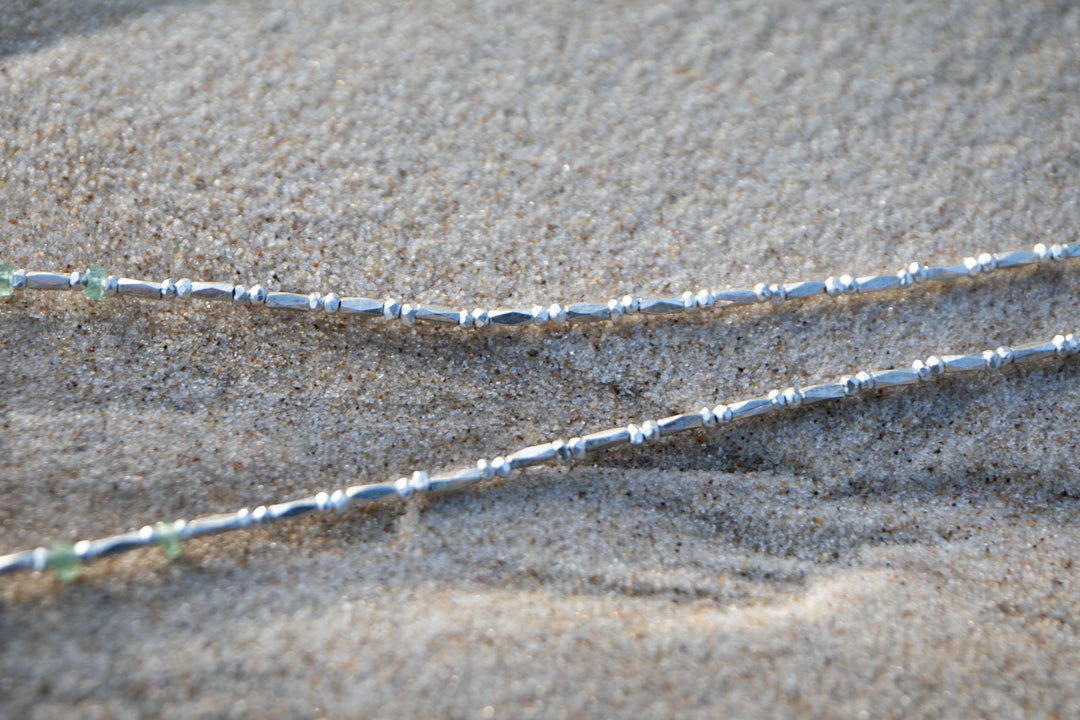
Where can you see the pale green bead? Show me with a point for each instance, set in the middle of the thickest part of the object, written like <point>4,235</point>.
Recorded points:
<point>97,282</point>
<point>64,562</point>
<point>6,285</point>
<point>169,540</point>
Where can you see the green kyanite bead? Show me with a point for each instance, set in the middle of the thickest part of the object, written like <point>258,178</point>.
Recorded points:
<point>169,540</point>
<point>6,285</point>
<point>97,282</point>
<point>64,562</point>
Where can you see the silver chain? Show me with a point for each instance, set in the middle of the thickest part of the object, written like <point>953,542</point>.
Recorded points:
<point>97,284</point>
<point>66,559</point>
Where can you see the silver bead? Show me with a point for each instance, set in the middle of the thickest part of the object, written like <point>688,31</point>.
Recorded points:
<point>936,365</point>
<point>777,398</point>
<point>465,320</point>
<point>240,295</point>
<point>763,292</point>
<point>1006,355</point>
<point>972,265</point>
<point>257,295</point>
<point>651,430</point>
<point>408,314</point>
<point>315,301</point>
<point>486,468</point>
<point>331,303</point>
<point>112,286</point>
<point>420,481</point>
<point>480,318</point>
<point>723,413</point>
<point>322,501</point>
<point>917,271</point>
<point>689,301</point>
<point>403,487</point>
<point>391,309</point>
<point>1042,252</point>
<point>991,359</point>
<point>577,448</point>
<point>561,449</point>
<point>75,280</point>
<point>793,397</point>
<point>708,419</point>
<point>906,280</point>
<point>865,380</point>
<point>630,304</point>
<point>636,436</point>
<point>557,313</point>
<point>168,289</point>
<point>921,369</point>
<point>539,315</point>
<point>18,282</point>
<point>262,513</point>
<point>705,298</point>
<point>615,311</point>
<point>987,262</point>
<point>1059,253</point>
<point>183,289</point>
<point>502,468</point>
<point>851,385</point>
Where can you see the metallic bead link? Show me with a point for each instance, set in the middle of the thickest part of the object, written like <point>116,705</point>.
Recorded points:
<point>614,311</point>
<point>577,448</point>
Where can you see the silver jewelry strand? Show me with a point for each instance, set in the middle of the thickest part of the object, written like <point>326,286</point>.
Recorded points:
<point>97,284</point>
<point>66,559</point>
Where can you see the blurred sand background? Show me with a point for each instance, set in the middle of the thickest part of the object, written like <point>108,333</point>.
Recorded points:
<point>898,554</point>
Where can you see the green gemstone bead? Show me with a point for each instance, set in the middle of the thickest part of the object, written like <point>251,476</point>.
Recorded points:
<point>6,285</point>
<point>97,282</point>
<point>64,562</point>
<point>169,540</point>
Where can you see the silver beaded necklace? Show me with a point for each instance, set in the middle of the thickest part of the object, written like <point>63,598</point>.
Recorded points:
<point>97,284</point>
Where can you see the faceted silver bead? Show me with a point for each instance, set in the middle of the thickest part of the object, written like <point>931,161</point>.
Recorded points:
<point>992,359</point>
<point>705,298</point>
<point>183,289</point>
<point>480,318</point>
<point>936,365</point>
<point>322,501</point>
<point>509,317</point>
<point>561,450</point>
<point>972,265</point>
<point>331,303</point>
<point>315,301</point>
<point>987,262</point>
<point>539,315</point>
<point>763,292</point>
<point>1006,355</point>
<point>630,304</point>
<point>723,413</point>
<point>651,430</point>
<point>615,311</point>
<point>168,289</point>
<point>486,468</point>
<point>18,282</point>
<point>437,315</point>
<point>921,369</point>
<point>465,320</point>
<point>777,398</point>
<point>240,295</point>
<point>75,280</point>
<point>557,313</point>
<point>793,396</point>
<point>708,419</point>
<point>865,380</point>
<point>1042,252</point>
<point>257,295</point>
<point>906,280</point>
<point>391,309</point>
<point>420,481</point>
<point>408,314</point>
<point>636,436</point>
<point>262,513</point>
<point>403,487</point>
<point>112,286</point>
<point>1059,253</point>
<point>917,271</point>
<point>833,287</point>
<point>502,468</point>
<point>577,448</point>
<point>587,312</point>
<point>689,301</point>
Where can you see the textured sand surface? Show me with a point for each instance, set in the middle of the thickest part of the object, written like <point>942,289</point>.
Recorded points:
<point>900,553</point>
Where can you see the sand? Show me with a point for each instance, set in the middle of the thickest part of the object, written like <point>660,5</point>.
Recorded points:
<point>903,553</point>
